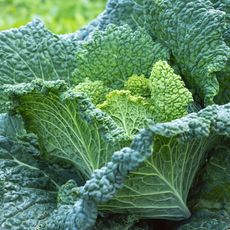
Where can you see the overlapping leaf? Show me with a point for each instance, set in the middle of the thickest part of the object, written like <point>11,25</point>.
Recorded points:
<point>27,194</point>
<point>68,125</point>
<point>160,187</point>
<point>193,31</point>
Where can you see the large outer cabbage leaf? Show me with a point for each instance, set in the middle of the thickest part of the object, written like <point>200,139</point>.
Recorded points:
<point>68,125</point>
<point>27,194</point>
<point>157,189</point>
<point>193,30</point>
<point>29,185</point>
<point>160,187</point>
<point>122,12</point>
<point>224,5</point>
<point>224,75</point>
<point>32,52</point>
<point>214,190</point>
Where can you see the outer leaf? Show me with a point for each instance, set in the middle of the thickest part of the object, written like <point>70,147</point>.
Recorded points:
<point>84,33</point>
<point>224,5</point>
<point>80,216</point>
<point>193,30</point>
<point>224,79</point>
<point>214,192</point>
<point>27,195</point>
<point>11,126</point>
<point>68,125</point>
<point>136,197</point>
<point>224,76</point>
<point>32,52</point>
<point>159,188</point>
<point>122,12</point>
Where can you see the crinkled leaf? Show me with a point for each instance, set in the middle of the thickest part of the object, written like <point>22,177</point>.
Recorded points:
<point>117,53</point>
<point>123,12</point>
<point>32,52</point>
<point>214,191</point>
<point>27,194</point>
<point>138,86</point>
<point>68,125</point>
<point>224,5</point>
<point>224,79</point>
<point>11,126</point>
<point>95,90</point>
<point>119,222</point>
<point>224,76</point>
<point>80,216</point>
<point>170,98</point>
<point>160,187</point>
<point>131,113</point>
<point>193,30</point>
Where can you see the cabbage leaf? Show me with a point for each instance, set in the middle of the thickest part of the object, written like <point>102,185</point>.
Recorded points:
<point>27,193</point>
<point>68,125</point>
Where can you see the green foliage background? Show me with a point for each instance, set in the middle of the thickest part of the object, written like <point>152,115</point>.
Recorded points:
<point>60,16</point>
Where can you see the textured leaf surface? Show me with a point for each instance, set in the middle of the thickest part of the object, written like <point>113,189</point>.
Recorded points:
<point>205,220</point>
<point>104,182</point>
<point>84,33</point>
<point>159,188</point>
<point>129,12</point>
<point>138,86</point>
<point>80,216</point>
<point>120,222</point>
<point>214,192</point>
<point>27,195</point>
<point>32,52</point>
<point>117,53</point>
<point>11,126</point>
<point>224,5</point>
<point>129,112</point>
<point>224,75</point>
<point>224,79</point>
<point>68,125</point>
<point>170,98</point>
<point>193,31</point>
<point>95,90</point>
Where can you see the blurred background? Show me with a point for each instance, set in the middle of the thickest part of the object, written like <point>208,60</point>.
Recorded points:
<point>60,16</point>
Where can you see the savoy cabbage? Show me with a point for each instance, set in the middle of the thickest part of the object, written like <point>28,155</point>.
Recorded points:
<point>118,120</point>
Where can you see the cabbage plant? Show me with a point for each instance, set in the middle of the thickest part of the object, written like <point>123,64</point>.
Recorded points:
<point>120,123</point>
